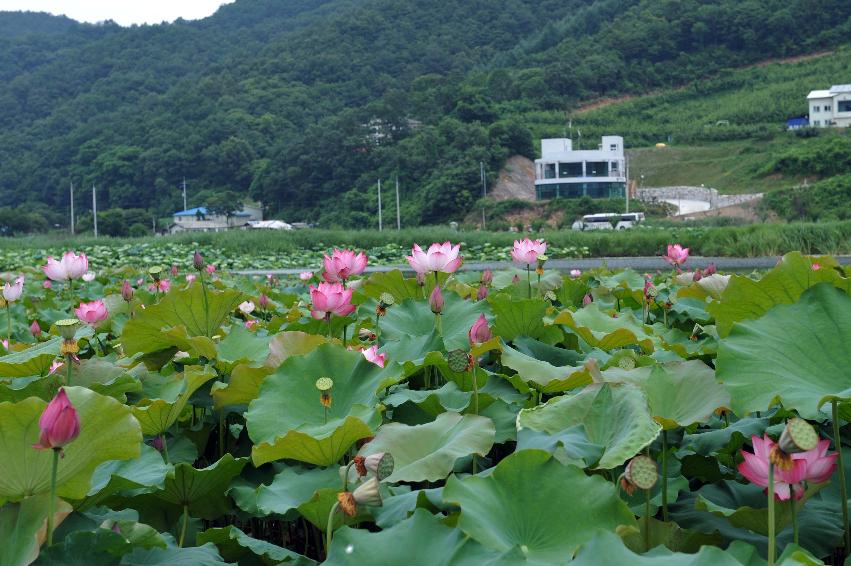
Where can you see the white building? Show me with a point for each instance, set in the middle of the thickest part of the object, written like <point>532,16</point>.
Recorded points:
<point>830,107</point>
<point>562,172</point>
<point>200,220</point>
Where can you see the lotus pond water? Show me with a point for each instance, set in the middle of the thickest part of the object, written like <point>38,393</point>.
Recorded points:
<point>184,415</point>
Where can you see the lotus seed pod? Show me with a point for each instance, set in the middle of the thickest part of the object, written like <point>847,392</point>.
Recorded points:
<point>626,363</point>
<point>155,272</point>
<point>798,436</point>
<point>387,299</point>
<point>458,360</point>
<point>324,384</point>
<point>551,296</point>
<point>641,472</point>
<point>67,327</point>
<point>542,259</point>
<point>367,493</point>
<point>381,464</point>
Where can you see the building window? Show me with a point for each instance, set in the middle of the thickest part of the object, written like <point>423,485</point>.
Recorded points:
<point>567,170</point>
<point>843,106</point>
<point>596,169</point>
<point>817,123</point>
<point>613,147</point>
<point>816,108</point>
<point>613,167</point>
<point>827,108</point>
<point>549,171</point>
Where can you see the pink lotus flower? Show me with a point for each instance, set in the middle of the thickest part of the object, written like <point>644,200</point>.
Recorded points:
<point>480,331</point>
<point>482,293</point>
<point>755,469</point>
<point>343,264</point>
<point>820,464</point>
<point>263,301</point>
<point>677,255</point>
<point>249,324</point>
<point>439,257</point>
<point>174,270</point>
<point>371,354</point>
<point>330,298</point>
<point>59,423</point>
<point>435,300</point>
<point>89,276</point>
<point>72,266</point>
<point>575,273</point>
<point>246,307</point>
<point>816,266</point>
<point>305,275</point>
<point>526,251</point>
<point>487,277</point>
<point>161,286</point>
<point>126,291</point>
<point>211,269</point>
<point>47,285</point>
<point>13,292</point>
<point>92,313</point>
<point>54,367</point>
<point>35,329</point>
<point>190,277</point>
<point>587,300</point>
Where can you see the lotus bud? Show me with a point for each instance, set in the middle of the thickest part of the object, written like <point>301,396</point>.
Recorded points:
<point>174,270</point>
<point>157,443</point>
<point>640,473</point>
<point>482,293</point>
<point>198,261</point>
<point>324,385</point>
<point>381,464</point>
<point>59,423</point>
<point>435,301</point>
<point>710,270</point>
<point>459,360</point>
<point>35,329</point>
<point>156,273</point>
<point>487,277</point>
<point>126,291</point>
<point>263,301</point>
<point>516,279</point>
<point>480,331</point>
<point>587,299</point>
<point>368,493</point>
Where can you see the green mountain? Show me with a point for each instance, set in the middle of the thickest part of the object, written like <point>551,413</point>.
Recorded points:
<point>304,104</point>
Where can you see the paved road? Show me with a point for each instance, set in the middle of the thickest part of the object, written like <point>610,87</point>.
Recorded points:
<point>637,263</point>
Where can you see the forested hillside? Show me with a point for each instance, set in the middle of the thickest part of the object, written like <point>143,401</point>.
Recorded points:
<point>304,104</point>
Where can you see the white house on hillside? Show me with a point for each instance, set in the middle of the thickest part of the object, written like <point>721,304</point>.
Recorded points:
<point>200,220</point>
<point>562,172</point>
<point>830,107</point>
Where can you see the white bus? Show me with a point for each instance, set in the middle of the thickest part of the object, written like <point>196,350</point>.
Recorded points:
<point>609,221</point>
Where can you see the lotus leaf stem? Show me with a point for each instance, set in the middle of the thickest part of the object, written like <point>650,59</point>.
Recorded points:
<point>51,508</point>
<point>185,525</point>
<point>165,448</point>
<point>529,278</point>
<point>794,513</point>
<point>329,529</point>
<point>207,331</point>
<point>9,321</point>
<point>843,493</point>
<point>68,364</point>
<point>664,475</point>
<point>646,520</point>
<point>772,544</point>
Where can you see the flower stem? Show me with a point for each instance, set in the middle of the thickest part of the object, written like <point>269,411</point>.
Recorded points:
<point>329,529</point>
<point>207,331</point>
<point>185,526</point>
<point>794,513</point>
<point>771,541</point>
<point>646,520</point>
<point>9,321</point>
<point>346,476</point>
<point>843,493</point>
<point>51,509</point>
<point>529,278</point>
<point>328,320</point>
<point>475,390</point>
<point>68,361</point>
<point>221,433</point>
<point>664,475</point>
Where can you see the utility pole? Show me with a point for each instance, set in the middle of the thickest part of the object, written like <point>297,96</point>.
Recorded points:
<point>380,224</point>
<point>398,214</point>
<point>484,189</point>
<point>184,194</point>
<point>626,173</point>
<point>72,208</point>
<point>95,209</point>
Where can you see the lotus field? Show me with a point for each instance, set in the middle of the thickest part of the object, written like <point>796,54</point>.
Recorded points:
<point>180,415</point>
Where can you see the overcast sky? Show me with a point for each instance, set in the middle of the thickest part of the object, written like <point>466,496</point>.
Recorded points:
<point>124,12</point>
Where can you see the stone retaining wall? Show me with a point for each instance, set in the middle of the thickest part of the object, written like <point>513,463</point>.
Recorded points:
<point>705,194</point>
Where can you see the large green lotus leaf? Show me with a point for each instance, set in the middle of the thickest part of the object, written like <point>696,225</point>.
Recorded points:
<point>678,393</point>
<point>242,345</point>
<point>287,419</point>
<point>615,417</point>
<point>143,474</point>
<point>533,501</point>
<point>204,555</point>
<point>520,317</point>
<point>569,446</point>
<point>108,431</point>
<point>392,282</point>
<point>106,378</point>
<point>180,319</point>
<point>608,548</point>
<point>318,508</point>
<point>543,375</point>
<point>667,534</point>
<point>157,415</point>
<point>293,486</point>
<point>36,359</point>
<point>422,539</point>
<point>747,299</point>
<point>101,544</point>
<point>202,490</point>
<point>403,502</point>
<point>428,452</point>
<point>607,332</point>
<point>796,354</point>
<point>237,547</point>
<point>408,328</point>
<point>23,528</point>
<point>448,397</point>
<point>245,380</point>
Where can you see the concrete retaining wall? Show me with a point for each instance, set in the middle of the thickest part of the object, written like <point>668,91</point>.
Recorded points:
<point>705,194</point>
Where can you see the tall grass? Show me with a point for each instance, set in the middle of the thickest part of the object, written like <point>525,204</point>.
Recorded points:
<point>747,241</point>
